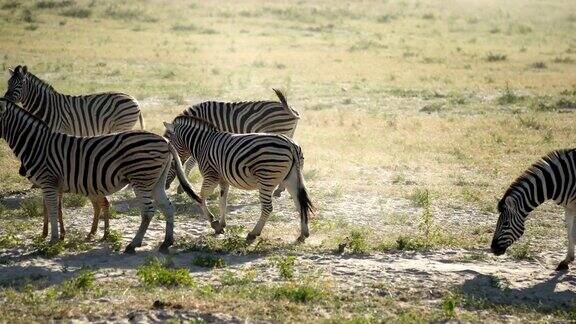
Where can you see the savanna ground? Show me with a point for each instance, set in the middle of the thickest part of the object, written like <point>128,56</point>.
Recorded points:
<point>416,116</point>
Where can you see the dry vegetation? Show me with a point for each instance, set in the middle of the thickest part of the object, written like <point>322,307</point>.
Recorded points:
<point>416,117</point>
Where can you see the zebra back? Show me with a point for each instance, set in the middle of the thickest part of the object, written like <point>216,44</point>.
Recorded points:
<point>86,115</point>
<point>271,117</point>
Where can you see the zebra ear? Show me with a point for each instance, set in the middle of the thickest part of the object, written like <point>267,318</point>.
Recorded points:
<point>169,127</point>
<point>11,71</point>
<point>24,69</point>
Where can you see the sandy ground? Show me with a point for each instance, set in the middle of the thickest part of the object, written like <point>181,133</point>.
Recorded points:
<point>425,275</point>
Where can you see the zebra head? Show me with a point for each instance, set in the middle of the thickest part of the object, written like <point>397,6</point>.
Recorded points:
<point>510,225</point>
<point>17,83</point>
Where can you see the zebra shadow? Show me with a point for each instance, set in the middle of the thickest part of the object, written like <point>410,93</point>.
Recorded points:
<point>43,273</point>
<point>488,290</point>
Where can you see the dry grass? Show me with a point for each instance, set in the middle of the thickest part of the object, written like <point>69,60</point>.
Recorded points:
<point>395,98</point>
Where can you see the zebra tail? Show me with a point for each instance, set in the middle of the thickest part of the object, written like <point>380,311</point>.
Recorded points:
<point>306,206</point>
<point>285,103</point>
<point>182,177</point>
<point>141,119</point>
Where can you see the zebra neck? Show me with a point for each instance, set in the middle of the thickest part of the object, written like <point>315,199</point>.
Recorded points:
<point>27,137</point>
<point>534,189</point>
<point>41,99</point>
<point>199,141</point>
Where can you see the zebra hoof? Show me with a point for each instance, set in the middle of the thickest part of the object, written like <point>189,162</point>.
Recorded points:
<point>164,249</point>
<point>277,194</point>
<point>130,249</point>
<point>179,190</point>
<point>250,238</point>
<point>301,239</point>
<point>218,228</point>
<point>562,266</point>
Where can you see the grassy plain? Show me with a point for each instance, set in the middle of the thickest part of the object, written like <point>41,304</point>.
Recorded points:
<point>416,115</point>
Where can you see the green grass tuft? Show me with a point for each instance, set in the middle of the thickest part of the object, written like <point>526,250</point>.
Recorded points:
<point>209,261</point>
<point>285,265</point>
<point>156,272</point>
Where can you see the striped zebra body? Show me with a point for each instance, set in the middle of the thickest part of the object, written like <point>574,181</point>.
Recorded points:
<point>553,177</point>
<point>89,115</point>
<point>93,166</point>
<point>246,161</point>
<point>272,117</point>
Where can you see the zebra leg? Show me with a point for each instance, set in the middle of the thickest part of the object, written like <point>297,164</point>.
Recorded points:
<point>279,190</point>
<point>95,218</point>
<point>167,209</point>
<point>208,185</point>
<point>60,220</point>
<point>224,186</point>
<point>51,202</point>
<point>45,219</point>
<point>291,184</point>
<point>188,166</point>
<point>571,230</point>
<point>266,203</point>
<point>147,211</point>
<point>105,207</point>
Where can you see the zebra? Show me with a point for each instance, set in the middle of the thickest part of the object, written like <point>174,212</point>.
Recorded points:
<point>89,115</point>
<point>246,161</point>
<point>94,166</point>
<point>273,117</point>
<point>552,177</point>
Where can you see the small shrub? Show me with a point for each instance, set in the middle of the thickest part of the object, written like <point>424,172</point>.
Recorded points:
<point>76,12</point>
<point>74,200</point>
<point>8,241</point>
<point>209,261</point>
<point>421,198</point>
<point>32,207</point>
<point>229,278</point>
<point>385,18</point>
<point>521,251</point>
<point>410,243</point>
<point>114,237</point>
<point>538,65</point>
<point>428,16</point>
<point>432,107</point>
<point>563,60</point>
<point>47,249</point>
<point>80,284</point>
<point>299,293</point>
<point>508,97</point>
<point>10,5</point>
<point>496,57</point>
<point>449,304</point>
<point>51,4</point>
<point>154,272</point>
<point>357,242</point>
<point>285,266</point>
<point>26,15</point>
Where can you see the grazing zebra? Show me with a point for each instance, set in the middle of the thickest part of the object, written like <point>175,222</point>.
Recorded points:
<point>89,115</point>
<point>270,117</point>
<point>246,161</point>
<point>552,177</point>
<point>94,166</point>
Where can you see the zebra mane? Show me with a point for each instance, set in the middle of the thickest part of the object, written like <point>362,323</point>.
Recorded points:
<point>37,81</point>
<point>198,120</point>
<point>527,174</point>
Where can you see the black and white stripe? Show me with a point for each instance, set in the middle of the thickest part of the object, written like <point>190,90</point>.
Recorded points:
<point>88,115</point>
<point>246,161</point>
<point>551,178</point>
<point>93,166</point>
<point>272,117</point>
